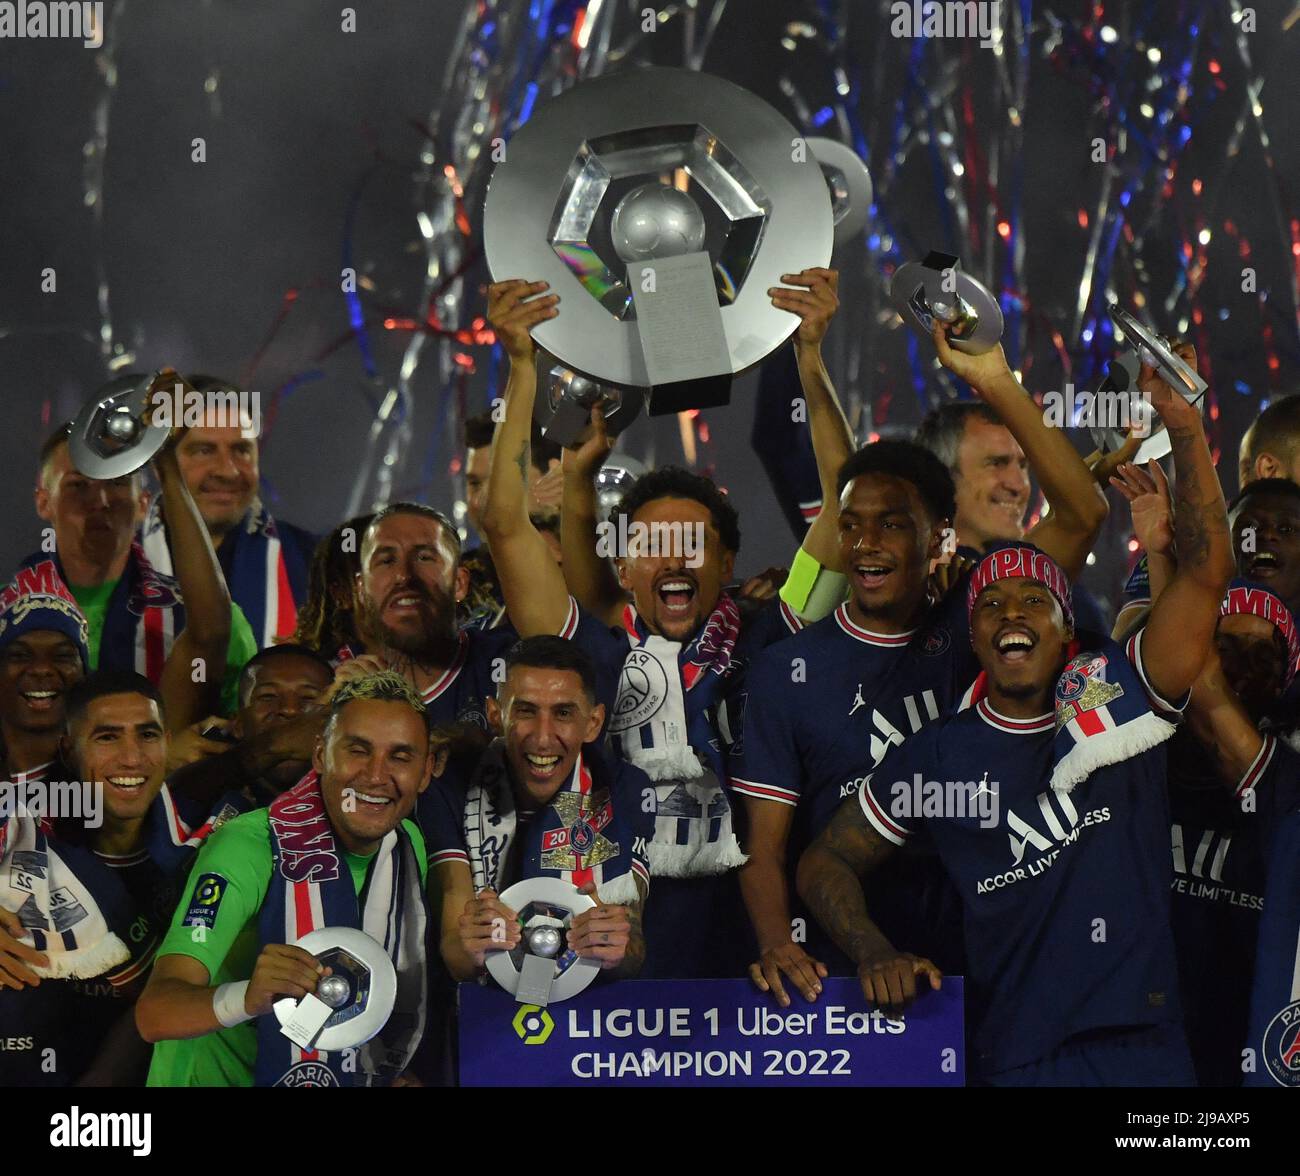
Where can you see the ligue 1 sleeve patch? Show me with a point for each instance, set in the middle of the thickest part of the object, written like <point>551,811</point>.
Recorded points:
<point>205,901</point>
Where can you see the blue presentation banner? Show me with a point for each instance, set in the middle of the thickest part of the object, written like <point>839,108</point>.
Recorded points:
<point>709,1033</point>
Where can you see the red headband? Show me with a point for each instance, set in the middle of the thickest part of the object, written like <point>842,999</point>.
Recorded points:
<point>1021,561</point>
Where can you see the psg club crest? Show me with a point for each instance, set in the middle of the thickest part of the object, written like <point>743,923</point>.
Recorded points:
<point>642,689</point>
<point>1282,1046</point>
<point>936,642</point>
<point>308,1074</point>
<point>580,843</point>
<point>1081,687</point>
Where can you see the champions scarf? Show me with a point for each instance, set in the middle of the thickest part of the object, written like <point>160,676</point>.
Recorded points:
<point>578,836</point>
<point>143,616</point>
<point>256,570</point>
<point>1104,710</point>
<point>69,902</point>
<point>311,887</point>
<point>663,722</point>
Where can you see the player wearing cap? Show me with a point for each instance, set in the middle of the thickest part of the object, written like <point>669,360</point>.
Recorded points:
<point>335,850</point>
<point>1065,883</point>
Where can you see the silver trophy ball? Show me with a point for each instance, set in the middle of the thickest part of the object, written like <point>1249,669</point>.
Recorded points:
<point>333,990</point>
<point>544,941</point>
<point>655,221</point>
<point>121,425</point>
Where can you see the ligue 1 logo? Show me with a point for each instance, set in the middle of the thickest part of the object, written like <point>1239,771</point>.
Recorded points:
<point>1282,1046</point>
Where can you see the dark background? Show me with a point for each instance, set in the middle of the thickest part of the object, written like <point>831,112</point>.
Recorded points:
<point>301,120</point>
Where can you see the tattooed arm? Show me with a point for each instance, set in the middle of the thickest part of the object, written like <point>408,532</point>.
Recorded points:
<point>829,880</point>
<point>531,582</point>
<point>1180,630</point>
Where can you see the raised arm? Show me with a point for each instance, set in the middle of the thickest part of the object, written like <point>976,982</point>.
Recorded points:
<point>1181,627</point>
<point>829,880</point>
<point>536,598</point>
<point>1078,506</point>
<point>589,575</point>
<point>815,300</point>
<point>1147,492</point>
<point>203,642</point>
<point>1221,724</point>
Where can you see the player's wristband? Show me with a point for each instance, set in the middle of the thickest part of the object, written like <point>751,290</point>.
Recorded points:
<point>228,1003</point>
<point>812,590</point>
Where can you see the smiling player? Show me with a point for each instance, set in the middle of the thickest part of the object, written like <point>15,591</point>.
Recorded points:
<point>824,707</point>
<point>1071,969</point>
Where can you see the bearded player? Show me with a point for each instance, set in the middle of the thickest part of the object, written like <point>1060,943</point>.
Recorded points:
<point>1071,973</point>
<point>407,590</point>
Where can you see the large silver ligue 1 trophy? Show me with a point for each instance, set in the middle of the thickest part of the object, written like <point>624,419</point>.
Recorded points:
<point>542,970</point>
<point>351,1004</point>
<point>661,205</point>
<point>848,183</point>
<point>1121,385</point>
<point>114,433</point>
<point>938,289</point>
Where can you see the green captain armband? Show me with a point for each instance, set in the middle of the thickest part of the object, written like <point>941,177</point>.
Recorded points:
<point>811,590</point>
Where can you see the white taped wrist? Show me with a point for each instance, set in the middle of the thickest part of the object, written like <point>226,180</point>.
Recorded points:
<point>228,1003</point>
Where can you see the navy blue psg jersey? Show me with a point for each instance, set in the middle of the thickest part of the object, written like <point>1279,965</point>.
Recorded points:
<point>609,647</point>
<point>459,694</point>
<point>1218,895</point>
<point>822,709</point>
<point>1065,894</point>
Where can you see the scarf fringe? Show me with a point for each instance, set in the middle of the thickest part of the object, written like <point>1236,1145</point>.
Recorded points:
<point>620,891</point>
<point>695,861</point>
<point>1100,751</point>
<point>669,763</point>
<point>85,963</point>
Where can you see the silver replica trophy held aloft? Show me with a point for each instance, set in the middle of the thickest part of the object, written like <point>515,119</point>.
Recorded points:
<point>1121,380</point>
<point>938,289</point>
<point>114,434</point>
<point>660,204</point>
